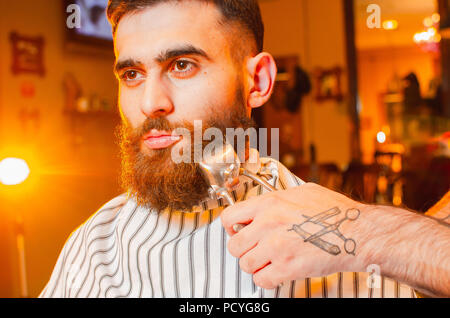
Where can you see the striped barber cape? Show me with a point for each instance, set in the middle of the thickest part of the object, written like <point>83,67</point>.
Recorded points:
<point>125,250</point>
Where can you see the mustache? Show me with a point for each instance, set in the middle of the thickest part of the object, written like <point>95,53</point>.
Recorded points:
<point>132,137</point>
<point>160,123</point>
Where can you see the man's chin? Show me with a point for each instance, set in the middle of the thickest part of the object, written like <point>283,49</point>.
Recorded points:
<point>169,198</point>
<point>158,182</point>
<point>150,153</point>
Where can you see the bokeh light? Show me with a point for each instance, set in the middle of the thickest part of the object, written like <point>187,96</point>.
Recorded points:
<point>381,137</point>
<point>13,171</point>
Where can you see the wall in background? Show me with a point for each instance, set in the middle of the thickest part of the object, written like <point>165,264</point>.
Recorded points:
<point>313,30</point>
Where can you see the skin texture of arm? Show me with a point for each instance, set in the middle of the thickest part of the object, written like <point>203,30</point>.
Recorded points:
<point>408,247</point>
<point>310,231</point>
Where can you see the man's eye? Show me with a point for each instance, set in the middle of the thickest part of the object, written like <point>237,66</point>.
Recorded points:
<point>182,66</point>
<point>130,75</point>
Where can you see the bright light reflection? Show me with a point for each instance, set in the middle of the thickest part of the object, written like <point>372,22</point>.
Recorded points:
<point>381,137</point>
<point>390,25</point>
<point>13,171</point>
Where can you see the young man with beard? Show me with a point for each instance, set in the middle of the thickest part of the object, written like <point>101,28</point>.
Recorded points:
<point>187,60</point>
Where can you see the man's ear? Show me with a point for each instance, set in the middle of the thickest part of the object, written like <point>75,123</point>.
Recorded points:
<point>262,71</point>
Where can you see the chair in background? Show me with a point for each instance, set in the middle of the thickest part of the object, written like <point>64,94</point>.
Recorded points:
<point>360,181</point>
<point>328,174</point>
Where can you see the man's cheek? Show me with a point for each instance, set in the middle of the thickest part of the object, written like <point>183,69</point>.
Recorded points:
<point>130,110</point>
<point>194,103</point>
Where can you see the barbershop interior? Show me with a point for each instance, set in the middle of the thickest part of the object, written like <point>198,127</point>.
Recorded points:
<point>361,101</point>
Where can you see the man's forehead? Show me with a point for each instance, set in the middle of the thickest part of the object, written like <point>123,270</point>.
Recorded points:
<point>166,25</point>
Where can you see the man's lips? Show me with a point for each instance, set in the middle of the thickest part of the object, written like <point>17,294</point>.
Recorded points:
<point>160,139</point>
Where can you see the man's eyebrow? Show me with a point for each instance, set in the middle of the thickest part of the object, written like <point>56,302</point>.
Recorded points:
<point>187,49</point>
<point>164,56</point>
<point>120,65</point>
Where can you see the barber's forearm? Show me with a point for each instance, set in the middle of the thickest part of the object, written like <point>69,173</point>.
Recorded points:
<point>408,247</point>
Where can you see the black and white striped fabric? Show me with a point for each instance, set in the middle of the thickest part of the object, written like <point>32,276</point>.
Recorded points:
<point>124,250</point>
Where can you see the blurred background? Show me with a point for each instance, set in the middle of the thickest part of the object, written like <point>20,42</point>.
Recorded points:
<point>362,101</point>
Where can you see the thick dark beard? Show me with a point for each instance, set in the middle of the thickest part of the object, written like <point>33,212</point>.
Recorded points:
<point>154,180</point>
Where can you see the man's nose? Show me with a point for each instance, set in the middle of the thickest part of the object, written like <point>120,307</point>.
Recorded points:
<point>156,100</point>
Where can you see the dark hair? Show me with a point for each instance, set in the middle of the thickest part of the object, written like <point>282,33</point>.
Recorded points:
<point>245,12</point>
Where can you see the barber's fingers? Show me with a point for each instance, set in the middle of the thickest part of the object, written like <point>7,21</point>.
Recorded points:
<point>239,213</point>
<point>246,239</point>
<point>246,211</point>
<point>237,227</point>
<point>255,259</point>
<point>270,277</point>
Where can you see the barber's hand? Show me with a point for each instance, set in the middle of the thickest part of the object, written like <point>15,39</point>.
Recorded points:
<point>272,246</point>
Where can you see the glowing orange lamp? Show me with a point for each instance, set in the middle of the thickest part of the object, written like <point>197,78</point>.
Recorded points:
<point>14,171</point>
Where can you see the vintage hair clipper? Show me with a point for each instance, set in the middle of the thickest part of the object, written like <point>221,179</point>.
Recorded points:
<point>222,170</point>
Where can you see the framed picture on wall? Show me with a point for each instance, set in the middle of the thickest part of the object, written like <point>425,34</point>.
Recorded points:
<point>328,84</point>
<point>27,54</point>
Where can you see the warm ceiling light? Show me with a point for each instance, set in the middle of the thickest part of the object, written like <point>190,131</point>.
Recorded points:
<point>432,31</point>
<point>437,38</point>
<point>390,25</point>
<point>421,37</point>
<point>13,171</point>
<point>429,36</point>
<point>428,22</point>
<point>436,18</point>
<point>417,37</point>
<point>381,137</point>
